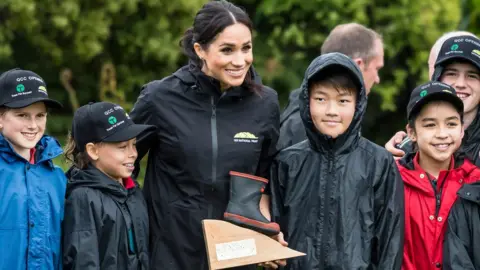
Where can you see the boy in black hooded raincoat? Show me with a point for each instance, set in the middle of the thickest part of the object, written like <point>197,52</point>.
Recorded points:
<point>337,196</point>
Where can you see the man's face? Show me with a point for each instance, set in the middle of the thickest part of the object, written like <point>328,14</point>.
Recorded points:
<point>465,78</point>
<point>370,69</point>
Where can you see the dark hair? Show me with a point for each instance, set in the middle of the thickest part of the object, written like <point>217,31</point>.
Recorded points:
<point>73,155</point>
<point>209,21</point>
<point>352,39</point>
<point>335,77</point>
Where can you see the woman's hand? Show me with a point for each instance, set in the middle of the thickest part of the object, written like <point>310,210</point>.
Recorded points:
<point>277,263</point>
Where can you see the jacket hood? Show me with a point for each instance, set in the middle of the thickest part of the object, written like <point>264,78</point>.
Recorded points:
<point>350,137</point>
<point>470,192</point>
<point>47,149</point>
<point>93,178</point>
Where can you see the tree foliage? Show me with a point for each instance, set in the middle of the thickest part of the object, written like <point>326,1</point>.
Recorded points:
<point>94,49</point>
<point>89,50</point>
<point>291,32</point>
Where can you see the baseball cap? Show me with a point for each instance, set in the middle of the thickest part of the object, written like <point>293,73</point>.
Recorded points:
<point>427,92</point>
<point>104,122</point>
<point>20,88</point>
<point>458,47</point>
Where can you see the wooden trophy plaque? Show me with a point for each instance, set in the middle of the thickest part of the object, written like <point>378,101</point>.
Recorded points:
<point>229,245</point>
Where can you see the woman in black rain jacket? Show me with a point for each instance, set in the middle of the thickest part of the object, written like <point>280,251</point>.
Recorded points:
<point>211,118</point>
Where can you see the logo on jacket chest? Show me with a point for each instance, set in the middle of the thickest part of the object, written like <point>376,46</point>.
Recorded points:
<point>245,137</point>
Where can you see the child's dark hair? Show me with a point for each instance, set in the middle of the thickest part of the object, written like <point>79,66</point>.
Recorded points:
<point>73,155</point>
<point>212,19</point>
<point>336,77</point>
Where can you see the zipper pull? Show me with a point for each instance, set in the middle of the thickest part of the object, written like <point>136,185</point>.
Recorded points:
<point>214,108</point>
<point>438,203</point>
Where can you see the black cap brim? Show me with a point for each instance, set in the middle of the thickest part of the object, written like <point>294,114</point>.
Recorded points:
<point>129,133</point>
<point>453,57</point>
<point>455,101</point>
<point>50,103</point>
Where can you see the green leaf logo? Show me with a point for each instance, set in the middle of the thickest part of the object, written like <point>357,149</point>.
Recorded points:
<point>454,47</point>
<point>423,93</point>
<point>20,88</point>
<point>112,120</point>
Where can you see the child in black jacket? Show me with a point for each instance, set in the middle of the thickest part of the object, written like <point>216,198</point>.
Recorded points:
<point>106,217</point>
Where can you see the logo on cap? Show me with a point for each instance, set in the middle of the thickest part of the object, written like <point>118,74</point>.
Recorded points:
<point>476,52</point>
<point>112,120</point>
<point>454,47</point>
<point>42,89</point>
<point>20,88</point>
<point>423,93</point>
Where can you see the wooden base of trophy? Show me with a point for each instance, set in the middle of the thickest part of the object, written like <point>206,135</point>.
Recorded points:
<point>229,245</point>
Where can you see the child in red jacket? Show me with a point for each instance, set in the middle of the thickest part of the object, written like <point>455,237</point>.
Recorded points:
<point>434,173</point>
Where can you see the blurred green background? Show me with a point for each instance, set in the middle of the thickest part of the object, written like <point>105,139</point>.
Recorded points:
<point>90,50</point>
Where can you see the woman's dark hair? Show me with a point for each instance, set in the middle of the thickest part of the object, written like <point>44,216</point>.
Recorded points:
<point>211,20</point>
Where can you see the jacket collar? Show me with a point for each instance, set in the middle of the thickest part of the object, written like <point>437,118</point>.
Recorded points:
<point>201,83</point>
<point>92,177</point>
<point>46,149</point>
<point>413,175</point>
<point>470,192</point>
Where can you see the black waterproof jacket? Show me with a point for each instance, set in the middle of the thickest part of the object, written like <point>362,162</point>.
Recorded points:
<point>462,241</point>
<point>202,134</point>
<point>340,200</point>
<point>292,130</point>
<point>105,225</point>
<point>471,141</point>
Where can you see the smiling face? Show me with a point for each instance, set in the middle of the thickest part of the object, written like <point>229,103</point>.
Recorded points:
<point>114,159</point>
<point>331,110</point>
<point>24,127</point>
<point>438,131</point>
<point>229,57</point>
<point>465,78</point>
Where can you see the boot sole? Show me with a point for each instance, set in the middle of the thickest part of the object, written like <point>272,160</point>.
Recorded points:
<point>269,229</point>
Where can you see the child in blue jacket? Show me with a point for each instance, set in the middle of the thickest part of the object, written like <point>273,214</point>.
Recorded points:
<point>32,189</point>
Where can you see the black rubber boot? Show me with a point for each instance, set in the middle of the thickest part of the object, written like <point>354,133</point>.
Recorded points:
<point>244,206</point>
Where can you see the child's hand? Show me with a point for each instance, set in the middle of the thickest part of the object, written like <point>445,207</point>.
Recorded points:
<point>277,263</point>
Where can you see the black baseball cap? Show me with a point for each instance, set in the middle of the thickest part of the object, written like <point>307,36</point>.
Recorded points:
<point>104,122</point>
<point>430,91</point>
<point>20,88</point>
<point>460,47</point>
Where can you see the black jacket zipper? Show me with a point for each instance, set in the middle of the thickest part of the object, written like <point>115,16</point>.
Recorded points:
<point>213,124</point>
